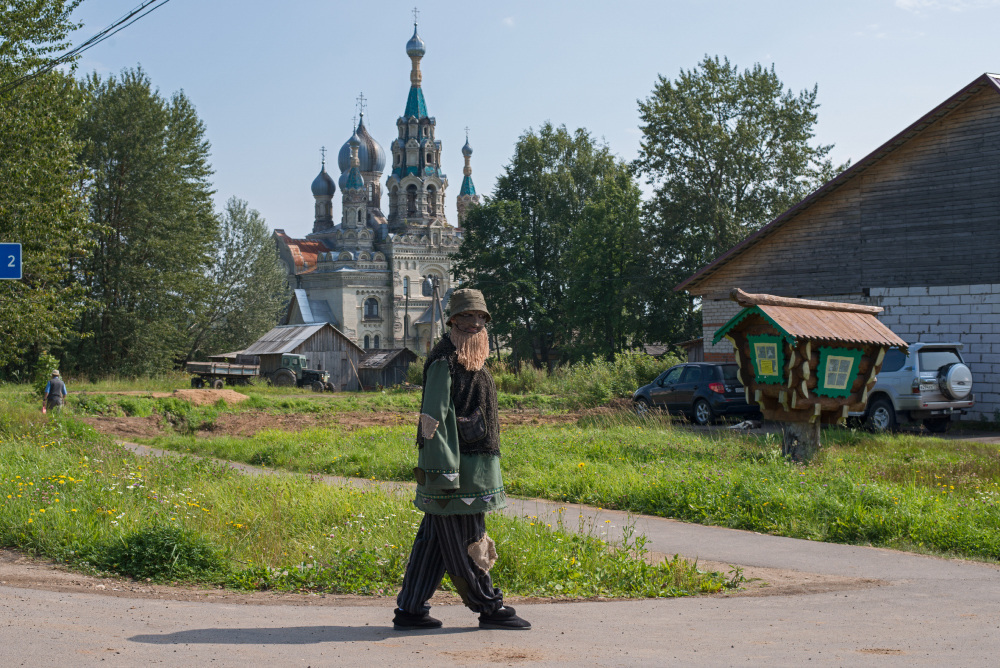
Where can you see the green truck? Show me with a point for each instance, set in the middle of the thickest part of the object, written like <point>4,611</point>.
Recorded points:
<point>292,373</point>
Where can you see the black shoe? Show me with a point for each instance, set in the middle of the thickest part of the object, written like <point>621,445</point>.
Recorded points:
<point>405,621</point>
<point>504,618</point>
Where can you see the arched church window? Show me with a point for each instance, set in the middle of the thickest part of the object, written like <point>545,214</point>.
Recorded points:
<point>430,158</point>
<point>377,341</point>
<point>406,286</point>
<point>431,201</point>
<point>359,215</point>
<point>367,342</point>
<point>411,200</point>
<point>371,308</point>
<point>371,193</point>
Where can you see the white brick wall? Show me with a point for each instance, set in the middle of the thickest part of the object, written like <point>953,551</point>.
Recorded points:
<point>969,314</point>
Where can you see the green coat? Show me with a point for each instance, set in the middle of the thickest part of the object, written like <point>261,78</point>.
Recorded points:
<point>450,482</point>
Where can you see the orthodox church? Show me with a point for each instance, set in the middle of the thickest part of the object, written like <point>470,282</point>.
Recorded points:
<point>363,275</point>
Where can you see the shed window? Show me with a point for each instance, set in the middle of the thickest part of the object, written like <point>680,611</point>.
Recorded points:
<point>837,369</point>
<point>767,357</point>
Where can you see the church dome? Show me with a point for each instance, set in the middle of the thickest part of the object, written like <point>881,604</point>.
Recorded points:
<point>415,47</point>
<point>370,153</point>
<point>323,185</point>
<point>466,150</point>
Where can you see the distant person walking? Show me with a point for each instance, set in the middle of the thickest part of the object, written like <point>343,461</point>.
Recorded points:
<point>458,476</point>
<point>55,393</point>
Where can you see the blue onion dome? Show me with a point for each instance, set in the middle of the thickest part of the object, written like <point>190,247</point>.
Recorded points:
<point>466,150</point>
<point>415,47</point>
<point>323,185</point>
<point>370,152</point>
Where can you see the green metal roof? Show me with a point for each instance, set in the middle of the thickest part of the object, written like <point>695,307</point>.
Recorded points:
<point>415,105</point>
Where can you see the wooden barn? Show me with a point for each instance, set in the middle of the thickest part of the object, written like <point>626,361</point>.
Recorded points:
<point>385,368</point>
<point>913,227</point>
<point>324,346</point>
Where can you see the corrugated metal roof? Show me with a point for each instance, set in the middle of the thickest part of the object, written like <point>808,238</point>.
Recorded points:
<point>379,358</point>
<point>283,339</point>
<point>846,326</point>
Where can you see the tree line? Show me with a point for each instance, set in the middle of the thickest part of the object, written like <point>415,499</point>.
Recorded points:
<point>106,183</point>
<point>578,264</point>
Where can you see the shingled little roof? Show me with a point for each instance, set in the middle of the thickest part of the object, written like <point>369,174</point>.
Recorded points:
<point>810,319</point>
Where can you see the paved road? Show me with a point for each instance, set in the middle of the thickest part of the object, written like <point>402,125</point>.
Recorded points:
<point>918,611</point>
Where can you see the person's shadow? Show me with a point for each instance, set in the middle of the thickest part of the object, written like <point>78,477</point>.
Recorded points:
<point>286,635</point>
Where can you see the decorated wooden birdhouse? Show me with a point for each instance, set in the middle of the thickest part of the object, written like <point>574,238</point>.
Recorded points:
<point>806,362</point>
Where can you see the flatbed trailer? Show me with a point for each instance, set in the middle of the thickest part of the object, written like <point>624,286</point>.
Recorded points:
<point>219,374</point>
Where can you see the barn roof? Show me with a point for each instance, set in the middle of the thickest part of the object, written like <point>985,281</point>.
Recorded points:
<point>809,319</point>
<point>286,338</point>
<point>381,358</point>
<point>985,81</point>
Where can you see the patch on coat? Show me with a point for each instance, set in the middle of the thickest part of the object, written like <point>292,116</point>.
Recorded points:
<point>428,425</point>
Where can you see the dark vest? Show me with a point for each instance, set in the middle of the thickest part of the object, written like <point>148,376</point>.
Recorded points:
<point>470,391</point>
<point>56,390</point>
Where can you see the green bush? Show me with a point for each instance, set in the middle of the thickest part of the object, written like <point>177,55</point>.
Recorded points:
<point>415,372</point>
<point>162,552</point>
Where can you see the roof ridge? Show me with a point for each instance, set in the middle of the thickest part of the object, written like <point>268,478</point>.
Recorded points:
<point>746,299</point>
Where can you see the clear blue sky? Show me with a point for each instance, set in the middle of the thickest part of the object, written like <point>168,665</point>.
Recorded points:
<point>274,81</point>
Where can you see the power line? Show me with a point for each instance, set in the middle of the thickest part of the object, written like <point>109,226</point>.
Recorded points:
<point>120,24</point>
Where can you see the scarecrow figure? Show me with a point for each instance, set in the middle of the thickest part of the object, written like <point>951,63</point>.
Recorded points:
<point>458,476</point>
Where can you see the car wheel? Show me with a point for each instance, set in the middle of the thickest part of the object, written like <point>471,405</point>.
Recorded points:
<point>702,413</point>
<point>217,384</point>
<point>317,386</point>
<point>881,416</point>
<point>937,425</point>
<point>641,406</point>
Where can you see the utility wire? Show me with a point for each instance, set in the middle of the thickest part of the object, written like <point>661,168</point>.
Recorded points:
<point>120,24</point>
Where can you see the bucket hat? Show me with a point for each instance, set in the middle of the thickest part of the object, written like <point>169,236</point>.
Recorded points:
<point>464,300</point>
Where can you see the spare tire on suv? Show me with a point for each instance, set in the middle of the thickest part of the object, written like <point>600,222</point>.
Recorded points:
<point>955,381</point>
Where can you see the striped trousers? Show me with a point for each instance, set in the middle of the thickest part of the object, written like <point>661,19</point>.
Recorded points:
<point>441,546</point>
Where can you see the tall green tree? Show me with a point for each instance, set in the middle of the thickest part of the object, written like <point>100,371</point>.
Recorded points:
<point>725,151</point>
<point>608,253</point>
<point>248,288</point>
<point>42,202</point>
<point>552,206</point>
<point>151,201</point>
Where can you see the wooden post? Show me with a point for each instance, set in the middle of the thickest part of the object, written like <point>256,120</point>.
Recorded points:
<point>800,440</point>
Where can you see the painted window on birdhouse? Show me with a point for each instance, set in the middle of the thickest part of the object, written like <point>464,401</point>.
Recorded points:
<point>837,369</point>
<point>767,357</point>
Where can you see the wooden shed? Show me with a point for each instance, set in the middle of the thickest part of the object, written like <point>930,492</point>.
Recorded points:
<point>806,361</point>
<point>385,368</point>
<point>326,348</point>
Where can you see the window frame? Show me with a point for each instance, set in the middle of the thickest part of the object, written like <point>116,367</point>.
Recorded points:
<point>779,358</point>
<point>825,353</point>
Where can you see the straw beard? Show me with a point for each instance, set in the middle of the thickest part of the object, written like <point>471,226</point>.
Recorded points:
<point>473,349</point>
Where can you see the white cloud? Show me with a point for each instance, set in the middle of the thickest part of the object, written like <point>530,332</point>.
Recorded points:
<point>509,21</point>
<point>951,5</point>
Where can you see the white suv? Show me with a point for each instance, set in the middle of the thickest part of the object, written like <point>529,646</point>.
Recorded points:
<point>929,384</point>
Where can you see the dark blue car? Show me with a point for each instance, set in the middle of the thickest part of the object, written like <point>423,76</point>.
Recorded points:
<point>701,390</point>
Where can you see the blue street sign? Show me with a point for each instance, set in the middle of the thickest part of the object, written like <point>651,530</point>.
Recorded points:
<point>10,261</point>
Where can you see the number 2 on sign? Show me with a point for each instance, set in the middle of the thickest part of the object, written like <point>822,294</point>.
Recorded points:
<point>11,263</point>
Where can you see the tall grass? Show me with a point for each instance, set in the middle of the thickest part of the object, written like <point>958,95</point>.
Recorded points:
<point>72,495</point>
<point>902,491</point>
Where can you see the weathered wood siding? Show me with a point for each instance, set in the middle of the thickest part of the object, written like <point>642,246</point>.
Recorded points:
<point>926,213</point>
<point>332,352</point>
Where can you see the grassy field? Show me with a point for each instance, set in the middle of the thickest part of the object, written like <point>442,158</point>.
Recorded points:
<point>903,491</point>
<point>73,495</point>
